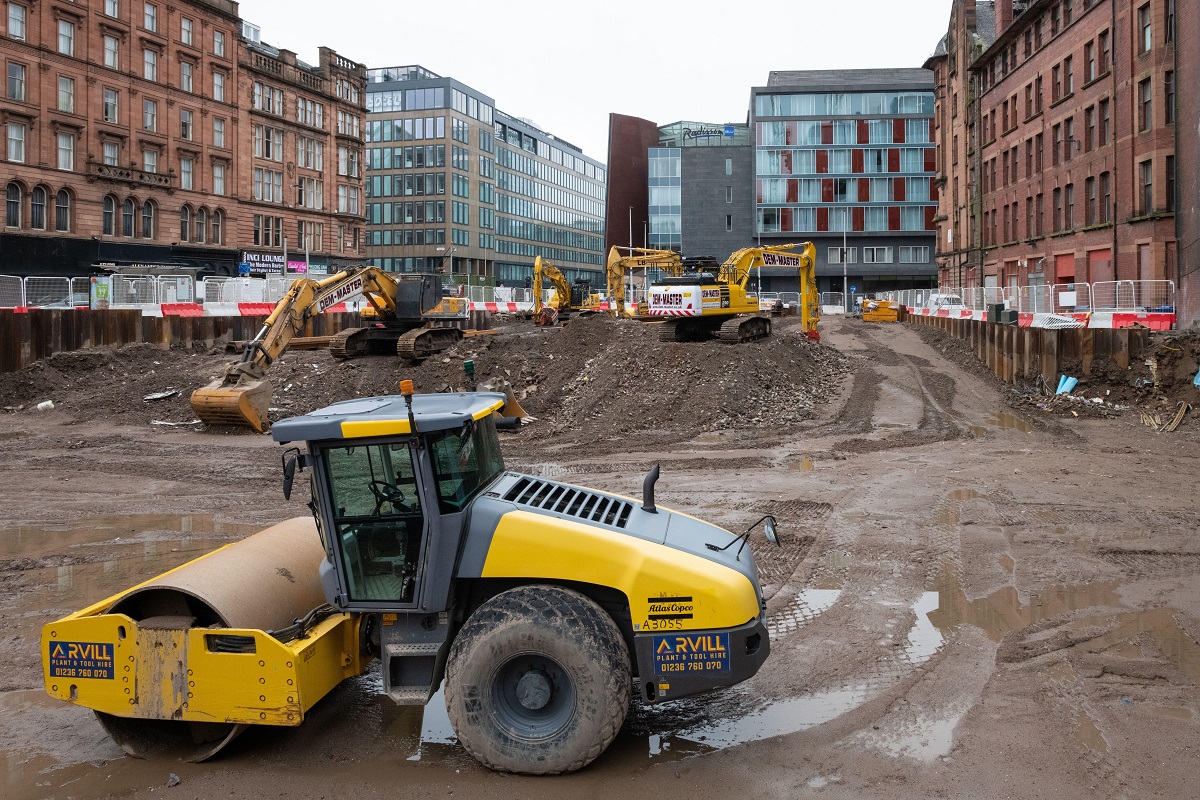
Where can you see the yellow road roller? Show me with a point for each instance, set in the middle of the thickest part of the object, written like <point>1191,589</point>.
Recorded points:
<point>541,606</point>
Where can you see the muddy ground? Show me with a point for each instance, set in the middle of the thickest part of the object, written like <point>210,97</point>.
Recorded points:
<point>982,592</point>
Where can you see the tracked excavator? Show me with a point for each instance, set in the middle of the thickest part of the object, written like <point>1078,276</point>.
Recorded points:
<point>540,607</point>
<point>700,305</point>
<point>668,261</point>
<point>407,315</point>
<point>548,313</point>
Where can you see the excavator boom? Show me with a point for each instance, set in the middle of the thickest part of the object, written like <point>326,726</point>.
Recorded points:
<point>639,258</point>
<point>242,396</point>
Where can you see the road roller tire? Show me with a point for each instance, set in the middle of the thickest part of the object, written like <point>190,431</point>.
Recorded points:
<point>538,681</point>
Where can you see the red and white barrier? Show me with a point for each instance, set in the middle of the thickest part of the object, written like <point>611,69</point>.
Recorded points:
<point>1154,320</point>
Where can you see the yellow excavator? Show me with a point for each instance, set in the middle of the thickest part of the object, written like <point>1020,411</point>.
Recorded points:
<point>541,608</point>
<point>548,313</point>
<point>639,259</point>
<point>408,316</point>
<point>701,305</point>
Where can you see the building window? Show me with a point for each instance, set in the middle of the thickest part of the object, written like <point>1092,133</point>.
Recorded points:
<point>268,185</point>
<point>112,153</point>
<point>218,132</point>
<point>16,82</point>
<point>185,223</point>
<point>111,53</point>
<point>1169,96</point>
<point>1069,207</point>
<point>66,151</point>
<point>1145,37</point>
<point>219,43</point>
<point>12,206</point>
<point>219,86</point>
<point>16,21</point>
<point>201,226</point>
<point>110,105</point>
<point>110,213</point>
<point>729,166</point>
<point>265,98</point>
<point>1068,76</point>
<point>218,220</point>
<point>1105,123</point>
<point>1104,211</point>
<point>128,212</point>
<point>148,209</point>
<point>150,19</point>
<point>150,161</point>
<point>1089,201</point>
<point>150,65</point>
<point>37,208</point>
<point>1145,117</point>
<point>185,173</point>
<point>185,124</point>
<point>1170,183</point>
<point>268,143</point>
<point>1146,186</point>
<point>66,38</point>
<point>1057,210</point>
<point>185,30</point>
<point>218,181</point>
<point>66,94</point>
<point>150,115</point>
<point>62,211</point>
<point>185,76</point>
<point>1170,32</point>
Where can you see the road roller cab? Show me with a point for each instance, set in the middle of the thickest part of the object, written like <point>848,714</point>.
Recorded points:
<point>539,606</point>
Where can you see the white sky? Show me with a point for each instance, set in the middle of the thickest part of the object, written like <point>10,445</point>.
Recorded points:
<point>566,65</point>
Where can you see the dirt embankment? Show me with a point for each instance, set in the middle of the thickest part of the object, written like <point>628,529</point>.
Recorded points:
<point>592,380</point>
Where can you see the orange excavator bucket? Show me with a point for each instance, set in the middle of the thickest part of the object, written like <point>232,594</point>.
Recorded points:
<point>240,398</point>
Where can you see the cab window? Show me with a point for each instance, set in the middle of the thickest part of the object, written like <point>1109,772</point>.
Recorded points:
<point>377,518</point>
<point>465,460</point>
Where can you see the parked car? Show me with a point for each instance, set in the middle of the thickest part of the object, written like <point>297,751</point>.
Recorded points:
<point>73,300</point>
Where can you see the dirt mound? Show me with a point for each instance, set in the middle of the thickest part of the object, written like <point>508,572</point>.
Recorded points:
<point>594,379</point>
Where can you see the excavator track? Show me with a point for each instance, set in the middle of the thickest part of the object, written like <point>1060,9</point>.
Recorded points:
<point>666,331</point>
<point>425,342</point>
<point>745,329</point>
<point>348,343</point>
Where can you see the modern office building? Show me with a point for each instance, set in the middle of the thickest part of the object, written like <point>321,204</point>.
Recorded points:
<point>167,136</point>
<point>833,157</point>
<point>455,185</point>
<point>1073,159</point>
<point>549,203</point>
<point>845,158</point>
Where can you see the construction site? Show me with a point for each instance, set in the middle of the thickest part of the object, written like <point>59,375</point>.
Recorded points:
<point>982,588</point>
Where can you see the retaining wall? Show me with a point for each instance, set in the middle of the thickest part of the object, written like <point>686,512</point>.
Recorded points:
<point>1019,355</point>
<point>38,333</point>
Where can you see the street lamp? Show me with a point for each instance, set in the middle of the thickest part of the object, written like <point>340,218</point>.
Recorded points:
<point>845,275</point>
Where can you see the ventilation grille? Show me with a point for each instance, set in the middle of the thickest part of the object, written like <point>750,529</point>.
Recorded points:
<point>571,501</point>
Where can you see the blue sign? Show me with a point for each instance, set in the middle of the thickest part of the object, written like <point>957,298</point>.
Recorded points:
<point>729,130</point>
<point>243,268</point>
<point>853,289</point>
<point>684,653</point>
<point>81,660</point>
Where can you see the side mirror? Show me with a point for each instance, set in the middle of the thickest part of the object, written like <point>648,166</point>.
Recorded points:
<point>769,527</point>
<point>291,458</point>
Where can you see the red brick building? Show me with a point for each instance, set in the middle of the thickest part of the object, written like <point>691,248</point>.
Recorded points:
<point>1187,166</point>
<point>1075,164</point>
<point>130,138</point>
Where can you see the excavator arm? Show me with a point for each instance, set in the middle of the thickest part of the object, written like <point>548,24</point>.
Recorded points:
<point>242,395</point>
<point>668,261</point>
<point>737,269</point>
<point>544,270</point>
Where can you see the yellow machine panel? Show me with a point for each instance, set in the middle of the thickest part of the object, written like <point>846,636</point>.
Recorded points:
<point>526,544</point>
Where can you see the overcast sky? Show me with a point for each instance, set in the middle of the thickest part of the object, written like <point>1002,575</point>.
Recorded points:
<point>567,65</point>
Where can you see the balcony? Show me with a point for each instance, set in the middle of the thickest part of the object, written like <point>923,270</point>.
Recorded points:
<point>130,175</point>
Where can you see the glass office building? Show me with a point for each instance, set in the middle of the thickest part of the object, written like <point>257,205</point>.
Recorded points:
<point>666,209</point>
<point>453,184</point>
<point>549,202</point>
<point>849,152</point>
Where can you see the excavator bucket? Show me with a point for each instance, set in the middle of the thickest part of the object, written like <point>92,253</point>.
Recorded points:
<point>512,407</point>
<point>244,402</point>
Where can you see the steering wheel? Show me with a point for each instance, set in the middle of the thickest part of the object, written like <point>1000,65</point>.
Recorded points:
<point>387,493</point>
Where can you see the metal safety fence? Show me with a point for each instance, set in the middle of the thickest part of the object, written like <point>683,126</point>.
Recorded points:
<point>12,291</point>
<point>1158,296</point>
<point>128,291</point>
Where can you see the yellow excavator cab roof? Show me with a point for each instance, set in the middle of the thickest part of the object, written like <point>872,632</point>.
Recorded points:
<point>387,416</point>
